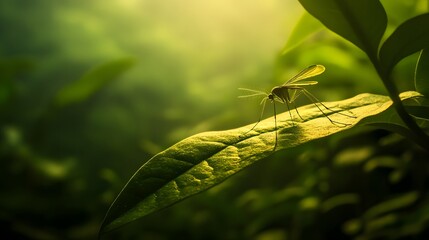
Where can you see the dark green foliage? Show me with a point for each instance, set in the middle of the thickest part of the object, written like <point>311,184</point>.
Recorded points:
<point>410,37</point>
<point>364,23</point>
<point>92,91</point>
<point>421,78</point>
<point>361,22</point>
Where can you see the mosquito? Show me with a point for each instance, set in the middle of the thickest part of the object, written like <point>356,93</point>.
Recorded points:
<point>290,91</point>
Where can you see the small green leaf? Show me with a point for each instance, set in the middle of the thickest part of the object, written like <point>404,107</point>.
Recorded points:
<point>419,112</point>
<point>390,205</point>
<point>410,37</point>
<point>381,161</point>
<point>340,200</point>
<point>91,82</point>
<point>306,26</point>
<point>204,160</point>
<point>380,223</point>
<point>421,77</point>
<point>389,119</point>
<point>361,22</point>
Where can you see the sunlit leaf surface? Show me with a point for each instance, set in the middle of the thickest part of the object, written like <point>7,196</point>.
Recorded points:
<point>204,160</point>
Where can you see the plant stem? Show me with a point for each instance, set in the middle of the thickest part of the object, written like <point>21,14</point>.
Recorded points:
<point>419,135</point>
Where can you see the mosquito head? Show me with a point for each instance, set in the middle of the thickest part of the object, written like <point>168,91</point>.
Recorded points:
<point>271,97</point>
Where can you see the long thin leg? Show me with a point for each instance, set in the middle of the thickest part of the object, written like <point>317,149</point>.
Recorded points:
<point>296,110</point>
<point>275,123</point>
<point>290,114</point>
<point>313,99</point>
<point>296,93</point>
<point>264,101</point>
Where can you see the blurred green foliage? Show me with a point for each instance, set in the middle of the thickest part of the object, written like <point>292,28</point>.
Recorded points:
<point>90,90</point>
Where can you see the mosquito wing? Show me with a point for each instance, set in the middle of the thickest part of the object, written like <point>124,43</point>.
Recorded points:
<point>309,72</point>
<point>301,83</point>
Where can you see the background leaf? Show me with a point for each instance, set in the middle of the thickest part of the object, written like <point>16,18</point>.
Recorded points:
<point>361,22</point>
<point>204,160</point>
<point>410,37</point>
<point>92,81</point>
<point>391,204</point>
<point>306,26</point>
<point>421,77</point>
<point>389,119</point>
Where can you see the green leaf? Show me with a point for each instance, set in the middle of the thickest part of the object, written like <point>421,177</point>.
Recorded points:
<point>206,159</point>
<point>421,77</point>
<point>390,205</point>
<point>361,22</point>
<point>91,82</point>
<point>390,120</point>
<point>305,27</point>
<point>418,111</point>
<point>340,200</point>
<point>410,37</point>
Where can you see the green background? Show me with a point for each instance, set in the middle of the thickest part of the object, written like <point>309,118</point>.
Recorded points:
<point>90,90</point>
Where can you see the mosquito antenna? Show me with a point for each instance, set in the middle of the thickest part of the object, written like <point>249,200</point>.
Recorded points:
<point>252,90</point>
<point>252,95</point>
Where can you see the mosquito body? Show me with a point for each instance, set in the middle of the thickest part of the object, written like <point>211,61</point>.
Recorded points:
<point>290,91</point>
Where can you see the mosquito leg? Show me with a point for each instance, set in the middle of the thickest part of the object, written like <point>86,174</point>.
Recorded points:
<point>346,115</point>
<point>309,95</point>
<point>290,113</point>
<point>275,124</point>
<point>340,124</point>
<point>296,109</point>
<point>315,99</point>
<point>264,101</point>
